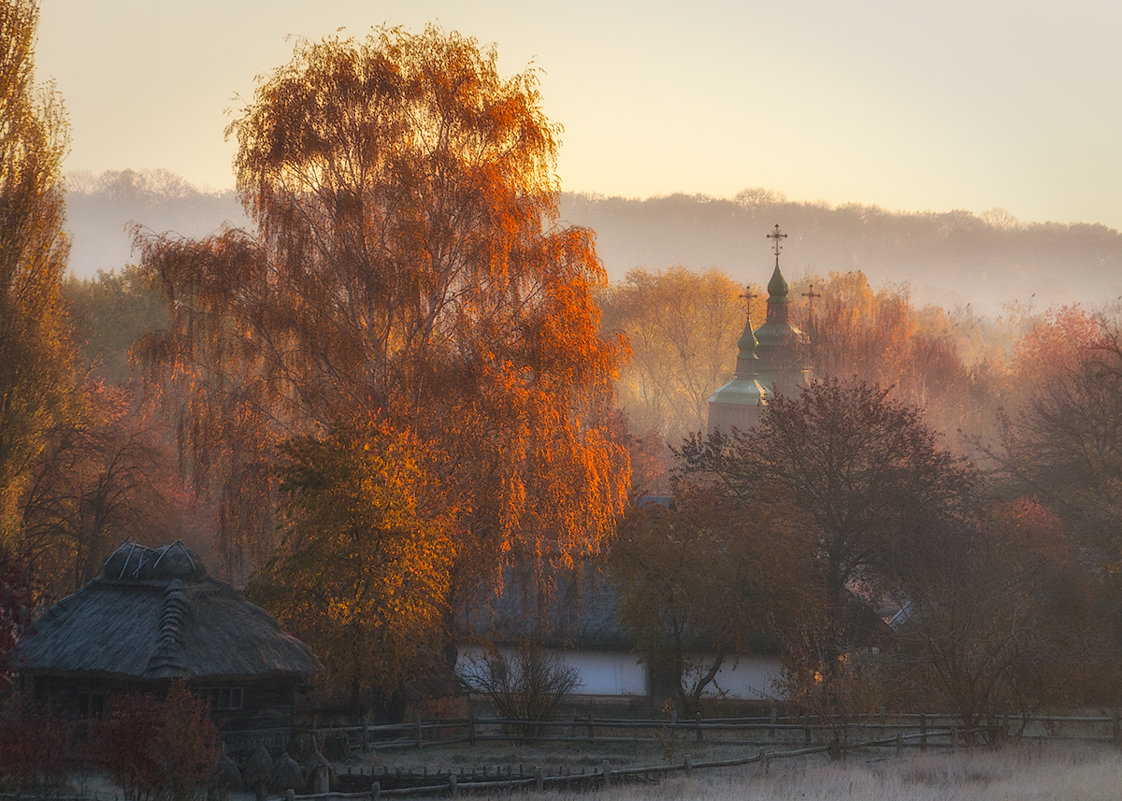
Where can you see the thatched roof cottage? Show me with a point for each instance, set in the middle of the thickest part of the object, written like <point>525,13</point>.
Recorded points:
<point>154,615</point>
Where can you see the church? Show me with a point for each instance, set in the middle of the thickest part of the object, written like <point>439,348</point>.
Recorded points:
<point>770,359</point>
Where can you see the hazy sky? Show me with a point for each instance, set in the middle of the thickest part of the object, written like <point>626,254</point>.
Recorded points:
<point>906,104</point>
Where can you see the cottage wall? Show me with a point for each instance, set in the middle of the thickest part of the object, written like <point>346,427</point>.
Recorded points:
<point>751,678</point>
<point>602,673</point>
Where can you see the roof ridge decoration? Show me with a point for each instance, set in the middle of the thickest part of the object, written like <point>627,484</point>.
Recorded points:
<point>135,562</point>
<point>168,646</point>
<point>130,547</point>
<point>163,551</point>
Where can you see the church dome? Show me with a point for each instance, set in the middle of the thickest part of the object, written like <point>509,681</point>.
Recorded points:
<point>777,286</point>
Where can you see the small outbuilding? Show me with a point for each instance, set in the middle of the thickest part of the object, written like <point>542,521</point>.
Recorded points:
<point>155,615</point>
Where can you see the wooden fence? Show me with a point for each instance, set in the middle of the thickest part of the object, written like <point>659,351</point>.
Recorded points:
<point>923,728</point>
<point>762,739</point>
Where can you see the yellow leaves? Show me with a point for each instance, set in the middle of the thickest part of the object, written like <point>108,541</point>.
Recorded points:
<point>365,543</point>
<point>37,379</point>
<point>407,272</point>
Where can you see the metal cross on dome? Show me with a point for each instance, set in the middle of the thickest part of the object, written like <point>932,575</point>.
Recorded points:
<point>777,235</point>
<point>810,295</point>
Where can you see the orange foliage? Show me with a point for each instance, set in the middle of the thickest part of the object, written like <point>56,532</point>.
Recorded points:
<point>879,337</point>
<point>408,270</point>
<point>157,749</point>
<point>364,569</point>
<point>1054,342</point>
<point>36,357</point>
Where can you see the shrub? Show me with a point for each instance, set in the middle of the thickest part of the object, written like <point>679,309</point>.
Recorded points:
<point>157,749</point>
<point>34,744</point>
<point>528,688</point>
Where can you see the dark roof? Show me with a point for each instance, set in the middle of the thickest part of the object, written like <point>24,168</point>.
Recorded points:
<point>155,614</point>
<point>578,608</point>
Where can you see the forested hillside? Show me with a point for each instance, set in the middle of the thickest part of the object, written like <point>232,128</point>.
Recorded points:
<point>102,210</point>
<point>947,258</point>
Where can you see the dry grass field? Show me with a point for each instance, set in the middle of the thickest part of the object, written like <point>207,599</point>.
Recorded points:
<point>1023,773</point>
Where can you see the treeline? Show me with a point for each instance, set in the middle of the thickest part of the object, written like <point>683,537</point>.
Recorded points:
<point>966,371</point>
<point>103,211</point>
<point>951,259</point>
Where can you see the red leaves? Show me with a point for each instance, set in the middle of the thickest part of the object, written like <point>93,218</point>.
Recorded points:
<point>157,748</point>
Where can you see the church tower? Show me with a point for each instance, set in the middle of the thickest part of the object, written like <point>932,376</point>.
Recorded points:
<point>769,360</point>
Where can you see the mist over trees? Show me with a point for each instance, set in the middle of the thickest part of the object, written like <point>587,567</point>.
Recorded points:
<point>103,209</point>
<point>949,258</point>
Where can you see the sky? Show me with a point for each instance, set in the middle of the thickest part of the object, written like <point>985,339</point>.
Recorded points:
<point>910,105</point>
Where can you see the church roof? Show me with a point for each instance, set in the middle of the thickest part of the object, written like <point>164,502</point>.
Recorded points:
<point>741,391</point>
<point>155,614</point>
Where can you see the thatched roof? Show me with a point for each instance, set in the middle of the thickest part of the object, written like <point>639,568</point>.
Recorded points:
<point>577,608</point>
<point>155,614</point>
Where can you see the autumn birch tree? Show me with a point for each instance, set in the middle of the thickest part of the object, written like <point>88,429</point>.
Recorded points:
<point>407,272</point>
<point>36,366</point>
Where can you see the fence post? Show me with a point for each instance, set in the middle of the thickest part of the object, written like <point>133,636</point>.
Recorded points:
<point>452,784</point>
<point>539,781</point>
<point>899,743</point>
<point>420,732</point>
<point>591,736</point>
<point>697,722</point>
<point>471,728</point>
<point>573,722</point>
<point>774,715</point>
<point>954,736</point>
<point>289,794</point>
<point>1116,728</point>
<point>606,768</point>
<point>687,764</point>
<point>922,731</point>
<point>375,790</point>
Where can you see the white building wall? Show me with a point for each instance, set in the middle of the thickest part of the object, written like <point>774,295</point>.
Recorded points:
<point>607,673</point>
<point>621,674</point>
<point>749,679</point>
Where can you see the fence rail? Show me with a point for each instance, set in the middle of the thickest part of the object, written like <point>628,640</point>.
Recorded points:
<point>604,776</point>
<point>422,733</point>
